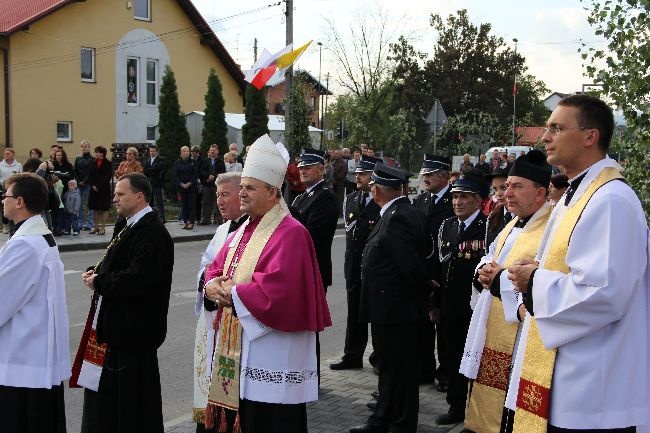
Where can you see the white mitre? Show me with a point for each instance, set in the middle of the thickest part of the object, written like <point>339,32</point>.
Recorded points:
<point>266,161</point>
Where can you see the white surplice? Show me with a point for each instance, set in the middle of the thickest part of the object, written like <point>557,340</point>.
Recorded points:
<point>276,366</point>
<point>34,349</point>
<point>597,314</point>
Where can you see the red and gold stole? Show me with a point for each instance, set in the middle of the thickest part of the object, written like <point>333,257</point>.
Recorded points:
<point>534,395</point>
<point>488,394</point>
<point>224,387</point>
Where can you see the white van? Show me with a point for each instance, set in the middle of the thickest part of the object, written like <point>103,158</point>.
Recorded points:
<point>517,150</point>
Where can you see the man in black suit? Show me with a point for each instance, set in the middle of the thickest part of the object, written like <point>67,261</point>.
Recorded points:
<point>317,209</point>
<point>459,247</point>
<point>133,283</point>
<point>361,213</point>
<point>395,285</point>
<point>435,203</point>
<point>210,168</point>
<point>499,215</point>
<point>154,169</point>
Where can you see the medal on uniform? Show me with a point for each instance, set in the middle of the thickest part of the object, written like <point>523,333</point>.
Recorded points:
<point>468,255</point>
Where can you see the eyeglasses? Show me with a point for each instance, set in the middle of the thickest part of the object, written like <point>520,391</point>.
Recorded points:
<point>4,196</point>
<point>556,130</point>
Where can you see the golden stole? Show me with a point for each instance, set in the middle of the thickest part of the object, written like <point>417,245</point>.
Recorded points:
<point>488,393</point>
<point>534,396</point>
<point>224,387</point>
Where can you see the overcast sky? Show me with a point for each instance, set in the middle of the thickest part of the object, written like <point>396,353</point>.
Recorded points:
<point>549,31</point>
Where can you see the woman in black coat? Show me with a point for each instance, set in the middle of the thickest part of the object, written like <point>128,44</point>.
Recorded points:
<point>186,174</point>
<point>99,178</point>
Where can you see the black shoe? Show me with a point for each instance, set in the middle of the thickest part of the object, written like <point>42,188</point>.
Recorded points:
<point>375,395</point>
<point>203,223</point>
<point>367,428</point>
<point>372,405</point>
<point>451,417</point>
<point>346,365</point>
<point>426,379</point>
<point>442,385</point>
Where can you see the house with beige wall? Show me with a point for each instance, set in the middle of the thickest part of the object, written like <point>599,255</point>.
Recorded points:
<point>92,69</point>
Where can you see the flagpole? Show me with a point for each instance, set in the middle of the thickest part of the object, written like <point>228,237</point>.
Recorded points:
<point>288,80</point>
<point>514,96</point>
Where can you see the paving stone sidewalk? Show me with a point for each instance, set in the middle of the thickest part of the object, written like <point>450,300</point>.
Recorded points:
<point>342,404</point>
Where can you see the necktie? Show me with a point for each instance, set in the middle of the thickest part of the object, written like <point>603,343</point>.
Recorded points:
<point>507,217</point>
<point>364,199</point>
<point>434,197</point>
<point>461,229</point>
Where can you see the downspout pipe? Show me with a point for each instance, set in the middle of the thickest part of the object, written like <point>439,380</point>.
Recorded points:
<point>5,61</point>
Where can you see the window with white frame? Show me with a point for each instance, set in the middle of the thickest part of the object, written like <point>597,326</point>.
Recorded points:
<point>142,10</point>
<point>64,131</point>
<point>87,65</point>
<point>152,82</point>
<point>132,88</point>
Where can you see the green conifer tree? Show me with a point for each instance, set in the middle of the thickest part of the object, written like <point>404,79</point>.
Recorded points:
<point>215,129</point>
<point>299,120</point>
<point>257,117</point>
<point>172,130</point>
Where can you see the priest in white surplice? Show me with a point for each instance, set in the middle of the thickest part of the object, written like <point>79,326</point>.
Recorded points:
<point>268,272</point>
<point>585,342</point>
<point>34,357</point>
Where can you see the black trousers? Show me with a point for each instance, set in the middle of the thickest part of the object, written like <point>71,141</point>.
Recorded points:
<point>32,410</point>
<point>454,334</point>
<point>398,403</point>
<point>356,333</point>
<point>157,201</point>
<point>128,399</point>
<point>257,417</point>
<point>427,347</point>
<point>188,205</point>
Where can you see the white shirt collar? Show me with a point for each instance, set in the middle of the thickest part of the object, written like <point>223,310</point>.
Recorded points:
<point>135,218</point>
<point>384,207</point>
<point>440,193</point>
<point>471,218</point>
<point>315,185</point>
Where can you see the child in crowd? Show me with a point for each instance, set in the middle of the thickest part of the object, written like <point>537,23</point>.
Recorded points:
<point>72,206</point>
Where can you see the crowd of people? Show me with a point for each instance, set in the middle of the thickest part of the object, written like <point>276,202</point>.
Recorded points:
<point>527,307</point>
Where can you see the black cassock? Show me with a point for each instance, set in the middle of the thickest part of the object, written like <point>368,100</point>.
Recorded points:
<point>135,281</point>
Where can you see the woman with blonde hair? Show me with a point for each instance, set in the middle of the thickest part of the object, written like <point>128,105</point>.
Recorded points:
<point>130,164</point>
<point>230,159</point>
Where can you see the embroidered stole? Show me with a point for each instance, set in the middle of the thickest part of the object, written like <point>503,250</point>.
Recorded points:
<point>224,388</point>
<point>488,393</point>
<point>534,395</point>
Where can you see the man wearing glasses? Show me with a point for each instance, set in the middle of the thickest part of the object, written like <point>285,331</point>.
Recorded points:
<point>34,360</point>
<point>582,361</point>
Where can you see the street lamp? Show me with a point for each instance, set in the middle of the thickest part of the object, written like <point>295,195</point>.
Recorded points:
<point>320,93</point>
<point>514,94</point>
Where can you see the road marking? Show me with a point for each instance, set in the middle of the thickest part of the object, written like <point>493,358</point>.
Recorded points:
<point>71,271</point>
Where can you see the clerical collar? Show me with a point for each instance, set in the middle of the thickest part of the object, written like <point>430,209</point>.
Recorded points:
<point>521,222</point>
<point>573,186</point>
<point>470,219</point>
<point>135,218</point>
<point>308,190</point>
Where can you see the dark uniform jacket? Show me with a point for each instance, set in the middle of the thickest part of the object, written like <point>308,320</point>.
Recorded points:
<point>207,168</point>
<point>360,219</point>
<point>395,279</point>
<point>135,280</point>
<point>82,165</point>
<point>457,260</point>
<point>495,223</point>
<point>154,171</point>
<point>318,211</point>
<point>436,212</point>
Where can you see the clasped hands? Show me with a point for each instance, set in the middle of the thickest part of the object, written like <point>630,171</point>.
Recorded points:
<point>88,278</point>
<point>519,273</point>
<point>219,290</point>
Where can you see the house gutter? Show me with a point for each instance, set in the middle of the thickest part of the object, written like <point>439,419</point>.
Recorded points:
<point>5,61</point>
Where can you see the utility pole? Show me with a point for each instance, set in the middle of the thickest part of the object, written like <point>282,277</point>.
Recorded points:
<point>514,96</point>
<point>255,50</point>
<point>288,79</point>
<point>327,85</point>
